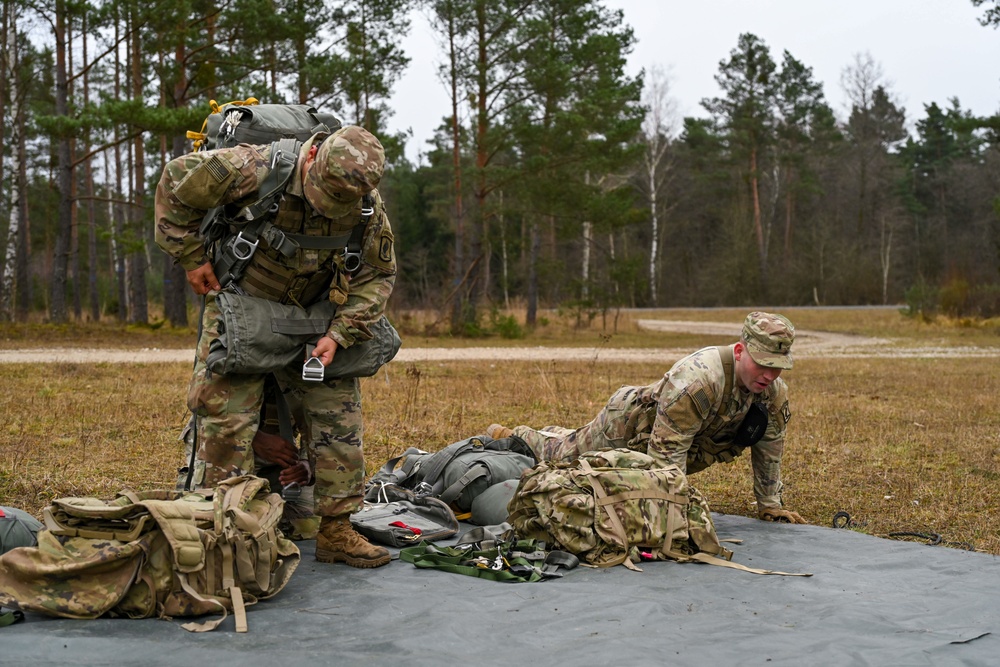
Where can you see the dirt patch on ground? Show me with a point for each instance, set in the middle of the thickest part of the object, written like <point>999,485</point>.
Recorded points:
<point>807,344</point>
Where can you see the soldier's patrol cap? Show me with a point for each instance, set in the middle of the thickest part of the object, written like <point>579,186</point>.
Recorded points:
<point>348,165</point>
<point>768,339</point>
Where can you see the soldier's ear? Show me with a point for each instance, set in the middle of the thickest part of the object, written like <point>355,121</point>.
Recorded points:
<point>738,350</point>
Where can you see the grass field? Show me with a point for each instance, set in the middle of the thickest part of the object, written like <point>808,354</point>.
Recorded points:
<point>907,445</point>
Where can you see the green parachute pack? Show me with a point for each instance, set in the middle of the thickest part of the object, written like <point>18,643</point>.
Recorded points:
<point>155,553</point>
<point>618,507</point>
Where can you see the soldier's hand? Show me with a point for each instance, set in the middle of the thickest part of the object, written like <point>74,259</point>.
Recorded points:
<point>275,449</point>
<point>325,349</point>
<point>298,473</point>
<point>778,514</point>
<point>203,280</point>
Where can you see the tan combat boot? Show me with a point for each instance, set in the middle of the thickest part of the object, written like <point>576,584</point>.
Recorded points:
<point>496,431</point>
<point>338,542</point>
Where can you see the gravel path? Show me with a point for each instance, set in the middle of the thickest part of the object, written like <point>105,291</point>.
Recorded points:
<point>807,344</point>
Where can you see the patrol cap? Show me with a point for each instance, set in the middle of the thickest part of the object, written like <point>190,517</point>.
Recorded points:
<point>348,165</point>
<point>769,338</point>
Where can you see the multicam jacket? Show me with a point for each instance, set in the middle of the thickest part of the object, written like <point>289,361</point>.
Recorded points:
<point>194,183</point>
<point>695,423</point>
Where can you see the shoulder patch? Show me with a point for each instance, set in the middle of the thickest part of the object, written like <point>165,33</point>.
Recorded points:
<point>696,390</point>
<point>786,413</point>
<point>217,169</point>
<point>379,252</point>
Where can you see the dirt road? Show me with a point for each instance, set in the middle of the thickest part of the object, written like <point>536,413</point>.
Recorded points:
<point>807,344</point>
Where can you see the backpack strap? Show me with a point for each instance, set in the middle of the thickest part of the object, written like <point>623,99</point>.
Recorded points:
<point>728,369</point>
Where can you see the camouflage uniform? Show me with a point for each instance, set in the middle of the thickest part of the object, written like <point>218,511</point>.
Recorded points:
<point>229,407</point>
<point>686,419</point>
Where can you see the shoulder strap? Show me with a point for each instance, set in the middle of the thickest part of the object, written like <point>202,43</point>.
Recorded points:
<point>728,369</point>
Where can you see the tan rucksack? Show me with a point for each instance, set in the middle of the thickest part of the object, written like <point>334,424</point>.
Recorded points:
<point>155,553</point>
<point>616,507</point>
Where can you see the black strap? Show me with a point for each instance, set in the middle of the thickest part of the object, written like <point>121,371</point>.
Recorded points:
<point>352,257</point>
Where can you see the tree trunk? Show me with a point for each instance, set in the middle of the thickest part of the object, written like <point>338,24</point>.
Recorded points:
<point>458,268</point>
<point>534,243</point>
<point>64,177</point>
<point>174,276</point>
<point>22,279</point>
<point>88,174</point>
<point>758,225</point>
<point>138,311</point>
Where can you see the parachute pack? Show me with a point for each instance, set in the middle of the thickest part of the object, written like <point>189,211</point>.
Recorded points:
<point>155,553</point>
<point>249,122</point>
<point>459,473</point>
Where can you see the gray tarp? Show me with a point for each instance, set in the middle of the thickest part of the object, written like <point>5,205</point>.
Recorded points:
<point>870,602</point>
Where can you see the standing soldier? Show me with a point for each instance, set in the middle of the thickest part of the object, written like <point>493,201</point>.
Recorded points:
<point>709,407</point>
<point>300,259</point>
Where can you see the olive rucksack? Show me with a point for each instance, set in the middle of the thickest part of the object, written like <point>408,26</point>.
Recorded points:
<point>155,553</point>
<point>249,122</point>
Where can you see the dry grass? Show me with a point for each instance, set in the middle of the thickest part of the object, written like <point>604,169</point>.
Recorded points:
<point>900,444</point>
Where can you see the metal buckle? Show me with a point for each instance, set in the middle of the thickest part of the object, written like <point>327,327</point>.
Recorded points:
<point>313,370</point>
<point>239,243</point>
<point>352,261</point>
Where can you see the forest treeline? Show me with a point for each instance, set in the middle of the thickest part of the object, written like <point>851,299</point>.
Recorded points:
<point>555,178</point>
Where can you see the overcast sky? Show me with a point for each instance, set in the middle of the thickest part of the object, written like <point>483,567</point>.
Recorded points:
<point>928,50</point>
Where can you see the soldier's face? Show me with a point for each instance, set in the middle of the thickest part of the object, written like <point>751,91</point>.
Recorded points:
<point>751,375</point>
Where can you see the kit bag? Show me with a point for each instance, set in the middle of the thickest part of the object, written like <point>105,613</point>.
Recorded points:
<point>618,507</point>
<point>258,336</point>
<point>399,518</point>
<point>155,553</point>
<point>460,472</point>
<point>248,122</point>
<point>17,529</point>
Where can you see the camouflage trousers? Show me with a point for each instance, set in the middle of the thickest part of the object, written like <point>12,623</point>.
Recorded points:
<point>328,416</point>
<point>610,429</point>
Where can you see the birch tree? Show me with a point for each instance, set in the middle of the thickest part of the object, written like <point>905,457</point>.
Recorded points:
<point>658,129</point>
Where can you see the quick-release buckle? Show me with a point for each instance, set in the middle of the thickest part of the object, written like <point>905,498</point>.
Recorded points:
<point>239,243</point>
<point>313,370</point>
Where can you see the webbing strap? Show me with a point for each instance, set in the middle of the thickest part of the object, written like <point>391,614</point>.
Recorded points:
<point>728,363</point>
<point>600,495</point>
<point>641,494</point>
<point>204,626</point>
<point>712,560</point>
<point>319,242</point>
<point>455,490</point>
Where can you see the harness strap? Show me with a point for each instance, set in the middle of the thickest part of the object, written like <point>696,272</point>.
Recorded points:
<point>712,560</point>
<point>455,490</point>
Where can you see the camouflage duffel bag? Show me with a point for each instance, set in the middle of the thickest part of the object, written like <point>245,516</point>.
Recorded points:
<point>615,507</point>
<point>155,553</point>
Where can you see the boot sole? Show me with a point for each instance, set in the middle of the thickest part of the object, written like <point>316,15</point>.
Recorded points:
<point>325,556</point>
